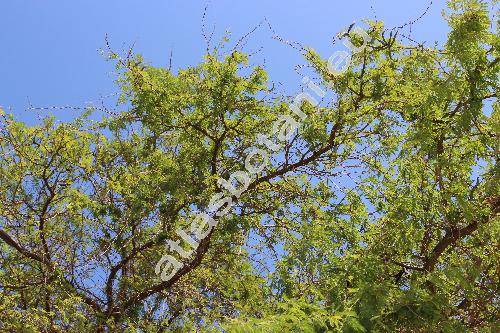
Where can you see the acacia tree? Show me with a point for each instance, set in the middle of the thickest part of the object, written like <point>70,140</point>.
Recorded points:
<point>87,212</point>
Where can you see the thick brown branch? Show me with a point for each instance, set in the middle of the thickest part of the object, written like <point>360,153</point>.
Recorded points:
<point>454,235</point>
<point>204,244</point>
<point>12,243</point>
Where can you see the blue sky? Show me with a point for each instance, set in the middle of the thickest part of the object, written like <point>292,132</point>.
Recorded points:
<point>50,55</point>
<point>49,49</point>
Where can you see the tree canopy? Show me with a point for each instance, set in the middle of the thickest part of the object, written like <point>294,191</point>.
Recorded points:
<point>379,213</point>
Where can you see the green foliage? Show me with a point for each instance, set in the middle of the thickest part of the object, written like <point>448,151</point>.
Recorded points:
<point>380,214</point>
<point>299,316</point>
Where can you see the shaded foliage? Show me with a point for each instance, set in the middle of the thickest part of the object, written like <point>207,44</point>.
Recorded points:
<point>407,243</point>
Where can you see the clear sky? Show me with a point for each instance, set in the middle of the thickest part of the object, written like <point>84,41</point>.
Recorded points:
<point>49,49</point>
